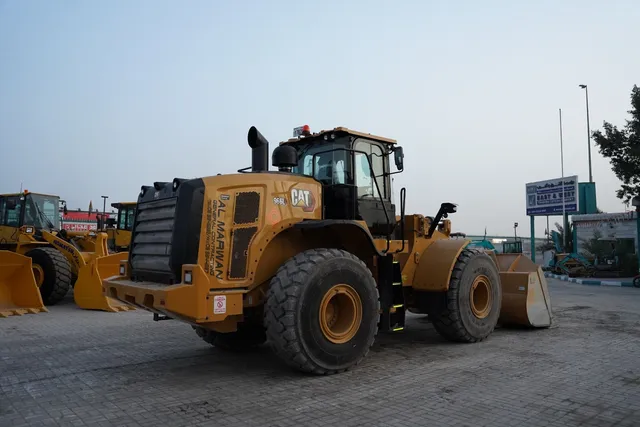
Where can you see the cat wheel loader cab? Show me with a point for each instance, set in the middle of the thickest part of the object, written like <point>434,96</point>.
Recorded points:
<point>30,226</point>
<point>312,258</point>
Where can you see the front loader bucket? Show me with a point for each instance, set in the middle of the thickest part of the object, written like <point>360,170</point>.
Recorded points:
<point>19,293</point>
<point>88,292</point>
<point>525,296</point>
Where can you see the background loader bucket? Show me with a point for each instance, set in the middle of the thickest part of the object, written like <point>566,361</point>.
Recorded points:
<point>88,292</point>
<point>19,293</point>
<point>525,295</point>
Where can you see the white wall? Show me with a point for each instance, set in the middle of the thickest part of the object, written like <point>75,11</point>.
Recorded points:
<point>616,225</point>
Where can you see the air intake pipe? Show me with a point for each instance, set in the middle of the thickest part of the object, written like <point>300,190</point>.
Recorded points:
<point>259,150</point>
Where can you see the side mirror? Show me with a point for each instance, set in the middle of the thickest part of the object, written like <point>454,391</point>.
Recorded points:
<point>65,210</point>
<point>449,208</point>
<point>11,204</point>
<point>398,157</point>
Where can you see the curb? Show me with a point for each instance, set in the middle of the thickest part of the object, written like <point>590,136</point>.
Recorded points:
<point>590,282</point>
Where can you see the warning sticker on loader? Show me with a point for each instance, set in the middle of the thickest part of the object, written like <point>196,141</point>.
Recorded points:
<point>219,304</point>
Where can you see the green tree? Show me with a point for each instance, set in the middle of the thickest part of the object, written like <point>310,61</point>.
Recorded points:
<point>567,240</point>
<point>594,247</point>
<point>549,245</point>
<point>622,148</point>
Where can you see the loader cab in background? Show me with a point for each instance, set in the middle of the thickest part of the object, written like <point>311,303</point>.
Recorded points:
<point>119,229</point>
<point>355,172</point>
<point>27,209</point>
<point>126,214</point>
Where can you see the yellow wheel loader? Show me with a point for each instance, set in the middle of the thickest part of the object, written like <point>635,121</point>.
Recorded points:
<point>119,230</point>
<point>313,259</point>
<point>29,226</point>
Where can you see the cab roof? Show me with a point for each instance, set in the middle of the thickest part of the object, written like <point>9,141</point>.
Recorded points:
<point>340,131</point>
<point>118,205</point>
<point>25,192</point>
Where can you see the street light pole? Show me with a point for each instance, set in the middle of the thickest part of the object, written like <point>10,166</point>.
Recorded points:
<point>565,242</point>
<point>104,210</point>
<point>586,95</point>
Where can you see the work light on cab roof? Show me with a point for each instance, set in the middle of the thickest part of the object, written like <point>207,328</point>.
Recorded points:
<point>301,131</point>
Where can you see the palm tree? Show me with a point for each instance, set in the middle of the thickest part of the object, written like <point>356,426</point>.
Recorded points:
<point>567,246</point>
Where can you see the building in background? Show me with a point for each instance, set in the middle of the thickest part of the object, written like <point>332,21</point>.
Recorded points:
<point>619,226</point>
<point>80,220</point>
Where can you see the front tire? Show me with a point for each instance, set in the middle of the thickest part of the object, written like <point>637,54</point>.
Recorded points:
<point>471,307</point>
<point>52,272</point>
<point>322,311</point>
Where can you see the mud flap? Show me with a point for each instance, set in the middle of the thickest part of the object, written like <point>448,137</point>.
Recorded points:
<point>525,295</point>
<point>19,293</point>
<point>88,293</point>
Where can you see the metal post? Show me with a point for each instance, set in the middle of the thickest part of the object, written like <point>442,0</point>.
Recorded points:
<point>564,217</point>
<point>548,231</point>
<point>533,238</point>
<point>586,95</point>
<point>104,210</point>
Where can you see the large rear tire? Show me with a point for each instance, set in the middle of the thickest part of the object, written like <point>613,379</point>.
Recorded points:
<point>322,311</point>
<point>471,307</point>
<point>52,272</point>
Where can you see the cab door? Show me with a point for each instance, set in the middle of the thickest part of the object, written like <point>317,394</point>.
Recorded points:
<point>11,218</point>
<point>373,192</point>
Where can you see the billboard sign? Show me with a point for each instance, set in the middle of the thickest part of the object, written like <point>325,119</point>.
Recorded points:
<point>546,197</point>
<point>80,220</point>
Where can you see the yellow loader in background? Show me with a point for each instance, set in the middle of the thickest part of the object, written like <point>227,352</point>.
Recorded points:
<point>311,258</point>
<point>119,229</point>
<point>29,226</point>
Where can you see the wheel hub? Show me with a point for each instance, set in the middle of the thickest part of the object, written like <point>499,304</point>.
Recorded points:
<point>340,314</point>
<point>38,274</point>
<point>480,297</point>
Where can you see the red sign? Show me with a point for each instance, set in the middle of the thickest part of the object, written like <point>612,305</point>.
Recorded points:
<point>80,220</point>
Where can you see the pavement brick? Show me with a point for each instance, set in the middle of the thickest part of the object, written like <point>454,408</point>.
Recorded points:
<point>71,367</point>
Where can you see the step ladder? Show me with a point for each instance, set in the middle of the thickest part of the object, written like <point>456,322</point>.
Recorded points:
<point>392,318</point>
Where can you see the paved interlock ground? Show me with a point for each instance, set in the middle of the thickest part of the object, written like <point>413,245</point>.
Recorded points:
<point>71,367</point>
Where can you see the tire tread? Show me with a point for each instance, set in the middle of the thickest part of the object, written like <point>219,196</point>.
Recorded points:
<point>447,322</point>
<point>281,302</point>
<point>63,275</point>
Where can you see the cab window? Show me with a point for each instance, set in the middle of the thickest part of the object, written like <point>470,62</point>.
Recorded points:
<point>130,215</point>
<point>12,211</point>
<point>122,219</point>
<point>369,166</point>
<point>330,166</point>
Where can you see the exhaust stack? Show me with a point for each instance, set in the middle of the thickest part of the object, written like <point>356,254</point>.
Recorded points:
<point>259,150</point>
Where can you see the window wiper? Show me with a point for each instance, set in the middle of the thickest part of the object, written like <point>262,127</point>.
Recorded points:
<point>43,217</point>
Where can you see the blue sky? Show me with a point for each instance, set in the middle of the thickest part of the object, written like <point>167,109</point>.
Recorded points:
<point>103,97</point>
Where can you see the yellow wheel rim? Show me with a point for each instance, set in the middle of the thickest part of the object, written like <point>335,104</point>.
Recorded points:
<point>38,273</point>
<point>340,314</point>
<point>480,297</point>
